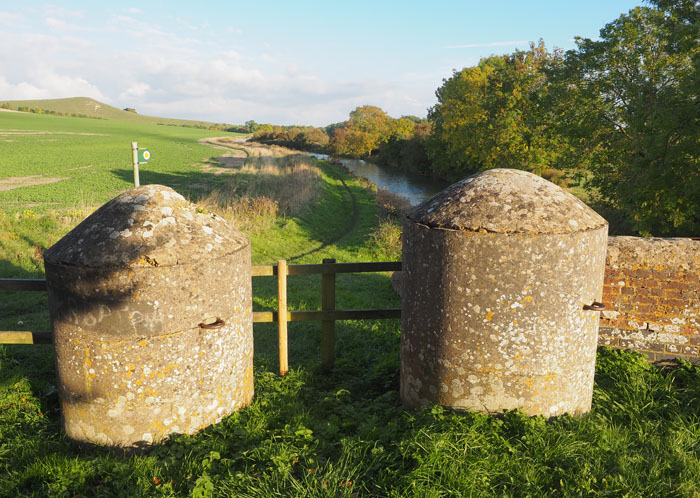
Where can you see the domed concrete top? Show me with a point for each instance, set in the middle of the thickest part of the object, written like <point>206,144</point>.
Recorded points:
<point>506,201</point>
<point>145,227</point>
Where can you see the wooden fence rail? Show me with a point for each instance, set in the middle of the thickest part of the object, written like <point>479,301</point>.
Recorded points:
<point>327,315</point>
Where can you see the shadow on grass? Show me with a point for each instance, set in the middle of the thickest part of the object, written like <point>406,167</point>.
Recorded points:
<point>318,223</point>
<point>192,185</point>
<point>305,414</point>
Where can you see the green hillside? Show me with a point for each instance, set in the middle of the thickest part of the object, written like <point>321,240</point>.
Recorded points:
<point>87,106</point>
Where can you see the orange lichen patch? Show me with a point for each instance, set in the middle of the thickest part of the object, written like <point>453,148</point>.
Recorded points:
<point>489,316</point>
<point>26,181</point>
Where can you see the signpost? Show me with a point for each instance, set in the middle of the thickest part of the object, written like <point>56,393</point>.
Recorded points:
<point>139,156</point>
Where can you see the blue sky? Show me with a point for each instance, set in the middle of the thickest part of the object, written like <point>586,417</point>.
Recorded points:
<point>291,62</point>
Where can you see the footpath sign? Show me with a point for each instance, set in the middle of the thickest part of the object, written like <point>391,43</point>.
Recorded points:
<point>144,156</point>
<point>139,156</point>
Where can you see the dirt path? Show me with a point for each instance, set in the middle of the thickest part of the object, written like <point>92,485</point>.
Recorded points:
<point>26,181</point>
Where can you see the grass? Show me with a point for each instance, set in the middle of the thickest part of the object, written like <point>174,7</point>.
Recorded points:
<point>263,190</point>
<point>344,433</point>
<point>93,159</point>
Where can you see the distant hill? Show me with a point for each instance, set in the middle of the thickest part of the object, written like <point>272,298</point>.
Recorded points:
<point>86,106</point>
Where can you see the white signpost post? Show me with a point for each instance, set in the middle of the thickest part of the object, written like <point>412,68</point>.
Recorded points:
<point>138,157</point>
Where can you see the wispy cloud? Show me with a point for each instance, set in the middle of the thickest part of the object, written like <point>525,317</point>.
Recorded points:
<point>61,25</point>
<point>491,44</point>
<point>55,11</point>
<point>132,10</point>
<point>8,17</point>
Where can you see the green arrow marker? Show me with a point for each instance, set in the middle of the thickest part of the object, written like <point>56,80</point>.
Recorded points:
<point>144,155</point>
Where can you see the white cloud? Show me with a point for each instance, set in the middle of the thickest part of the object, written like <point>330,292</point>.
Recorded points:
<point>21,91</point>
<point>60,24</point>
<point>186,23</point>
<point>56,11</point>
<point>9,17</point>
<point>157,70</point>
<point>133,10</point>
<point>62,85</point>
<point>135,90</point>
<point>49,85</point>
<point>491,44</point>
<point>231,54</point>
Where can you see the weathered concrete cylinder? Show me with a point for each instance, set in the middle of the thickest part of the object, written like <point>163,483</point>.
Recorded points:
<point>497,270</point>
<point>151,309</point>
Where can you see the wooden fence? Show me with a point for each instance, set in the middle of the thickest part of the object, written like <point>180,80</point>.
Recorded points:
<point>327,315</point>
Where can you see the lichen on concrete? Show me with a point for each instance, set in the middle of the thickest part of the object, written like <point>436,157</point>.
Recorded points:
<point>493,314</point>
<point>506,201</point>
<point>128,290</point>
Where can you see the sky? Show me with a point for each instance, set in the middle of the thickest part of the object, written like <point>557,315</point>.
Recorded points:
<point>281,62</point>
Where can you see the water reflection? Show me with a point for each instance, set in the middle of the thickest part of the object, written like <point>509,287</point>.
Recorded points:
<point>415,187</point>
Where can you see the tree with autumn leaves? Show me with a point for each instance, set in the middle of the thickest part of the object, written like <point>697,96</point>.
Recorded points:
<point>622,111</point>
<point>490,116</point>
<point>367,129</point>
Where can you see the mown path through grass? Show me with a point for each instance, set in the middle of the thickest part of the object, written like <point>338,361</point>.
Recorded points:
<point>353,217</point>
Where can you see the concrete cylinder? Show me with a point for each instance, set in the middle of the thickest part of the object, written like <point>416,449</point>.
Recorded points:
<point>151,310</point>
<point>497,270</point>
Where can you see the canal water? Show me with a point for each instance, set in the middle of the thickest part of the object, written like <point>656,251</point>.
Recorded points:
<point>414,187</point>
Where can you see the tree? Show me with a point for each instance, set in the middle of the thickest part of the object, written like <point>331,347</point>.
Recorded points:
<point>490,116</point>
<point>629,107</point>
<point>361,135</point>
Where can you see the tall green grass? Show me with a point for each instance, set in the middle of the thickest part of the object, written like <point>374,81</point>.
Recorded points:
<point>263,190</point>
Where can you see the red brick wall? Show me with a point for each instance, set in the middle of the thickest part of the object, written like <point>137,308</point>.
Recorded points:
<point>652,294</point>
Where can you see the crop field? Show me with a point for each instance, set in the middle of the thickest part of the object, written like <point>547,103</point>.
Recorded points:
<point>311,433</point>
<point>69,162</point>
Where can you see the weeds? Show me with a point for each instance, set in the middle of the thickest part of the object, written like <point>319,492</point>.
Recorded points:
<point>264,189</point>
<point>391,205</point>
<point>386,238</point>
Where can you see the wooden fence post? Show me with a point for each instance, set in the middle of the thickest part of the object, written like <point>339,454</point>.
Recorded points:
<point>135,160</point>
<point>328,326</point>
<point>282,315</point>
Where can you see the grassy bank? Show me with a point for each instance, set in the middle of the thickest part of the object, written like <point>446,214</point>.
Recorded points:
<point>342,433</point>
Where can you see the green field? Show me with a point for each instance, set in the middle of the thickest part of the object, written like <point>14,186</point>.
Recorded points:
<point>311,433</point>
<point>92,158</point>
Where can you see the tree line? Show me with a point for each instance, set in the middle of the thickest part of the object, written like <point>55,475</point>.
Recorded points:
<point>619,115</point>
